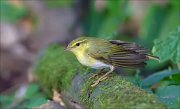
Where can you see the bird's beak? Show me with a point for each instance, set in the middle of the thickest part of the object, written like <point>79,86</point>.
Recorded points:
<point>68,49</point>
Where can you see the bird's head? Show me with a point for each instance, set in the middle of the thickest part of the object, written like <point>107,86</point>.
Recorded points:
<point>78,45</point>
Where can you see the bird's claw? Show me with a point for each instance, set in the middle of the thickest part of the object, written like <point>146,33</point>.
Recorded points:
<point>98,81</point>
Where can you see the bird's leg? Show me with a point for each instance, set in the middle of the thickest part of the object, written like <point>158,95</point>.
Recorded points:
<point>96,74</point>
<point>103,77</point>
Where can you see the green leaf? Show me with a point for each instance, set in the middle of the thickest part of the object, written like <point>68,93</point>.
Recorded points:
<point>136,79</point>
<point>106,22</point>
<point>156,77</point>
<point>58,3</point>
<point>93,21</point>
<point>36,101</point>
<point>32,90</point>
<point>10,12</point>
<point>6,101</point>
<point>169,94</point>
<point>152,23</point>
<point>169,47</point>
<point>176,105</point>
<point>172,20</point>
<point>176,78</point>
<point>116,14</point>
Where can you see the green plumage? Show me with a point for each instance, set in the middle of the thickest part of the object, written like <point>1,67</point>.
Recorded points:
<point>118,53</point>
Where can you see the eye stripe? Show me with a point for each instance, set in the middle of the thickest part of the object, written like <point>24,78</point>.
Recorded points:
<point>82,41</point>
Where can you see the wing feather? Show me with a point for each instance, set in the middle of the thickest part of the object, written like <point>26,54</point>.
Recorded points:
<point>128,54</point>
<point>119,53</point>
<point>130,46</point>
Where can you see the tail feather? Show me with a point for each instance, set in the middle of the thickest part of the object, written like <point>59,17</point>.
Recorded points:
<point>153,57</point>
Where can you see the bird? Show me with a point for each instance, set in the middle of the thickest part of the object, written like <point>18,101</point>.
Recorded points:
<point>101,53</point>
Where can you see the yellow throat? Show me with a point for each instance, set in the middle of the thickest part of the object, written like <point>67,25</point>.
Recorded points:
<point>85,59</point>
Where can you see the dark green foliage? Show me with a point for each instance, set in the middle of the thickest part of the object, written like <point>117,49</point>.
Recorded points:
<point>105,23</point>
<point>58,3</point>
<point>6,100</point>
<point>56,68</point>
<point>165,85</point>
<point>115,14</point>
<point>172,20</point>
<point>169,95</point>
<point>11,13</point>
<point>157,77</point>
<point>169,47</point>
<point>152,24</point>
<point>158,21</point>
<point>31,98</point>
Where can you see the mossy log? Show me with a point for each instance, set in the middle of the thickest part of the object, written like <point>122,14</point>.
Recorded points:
<point>58,69</point>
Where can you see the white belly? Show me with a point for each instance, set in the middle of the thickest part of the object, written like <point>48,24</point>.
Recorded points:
<point>92,63</point>
<point>99,65</point>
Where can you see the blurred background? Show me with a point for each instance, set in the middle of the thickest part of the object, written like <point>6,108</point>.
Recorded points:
<point>28,26</point>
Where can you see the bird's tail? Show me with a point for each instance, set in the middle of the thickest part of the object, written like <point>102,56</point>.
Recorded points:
<point>153,57</point>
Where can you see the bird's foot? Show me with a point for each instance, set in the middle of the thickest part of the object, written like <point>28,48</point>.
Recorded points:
<point>98,81</point>
<point>103,77</point>
<point>96,74</point>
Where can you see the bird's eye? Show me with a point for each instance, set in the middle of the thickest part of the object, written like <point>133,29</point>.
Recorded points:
<point>77,44</point>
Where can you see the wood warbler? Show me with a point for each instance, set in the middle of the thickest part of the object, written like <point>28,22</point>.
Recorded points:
<point>100,54</point>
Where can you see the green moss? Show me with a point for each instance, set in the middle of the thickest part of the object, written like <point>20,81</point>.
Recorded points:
<point>116,92</point>
<point>56,67</point>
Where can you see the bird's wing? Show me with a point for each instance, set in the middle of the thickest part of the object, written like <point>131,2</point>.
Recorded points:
<point>130,46</point>
<point>100,53</point>
<point>125,54</point>
<point>120,54</point>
